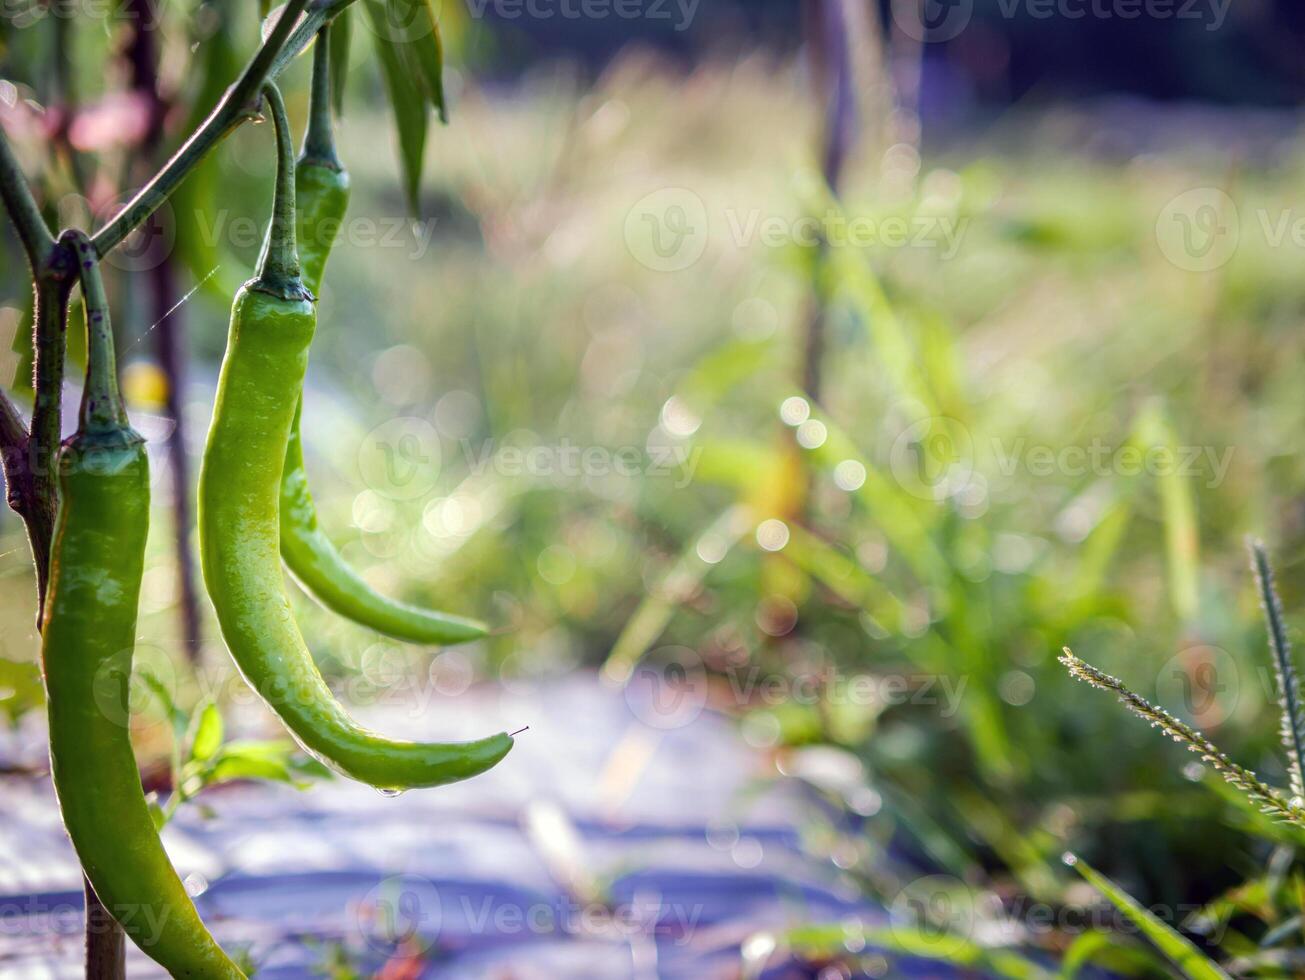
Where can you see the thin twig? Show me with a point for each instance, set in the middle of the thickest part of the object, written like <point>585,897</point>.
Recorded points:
<point>1270,800</point>
<point>275,54</point>
<point>1293,718</point>
<point>21,205</point>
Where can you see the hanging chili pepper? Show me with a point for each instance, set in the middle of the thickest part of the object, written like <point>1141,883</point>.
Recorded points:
<point>321,197</point>
<point>88,637</point>
<point>272,323</point>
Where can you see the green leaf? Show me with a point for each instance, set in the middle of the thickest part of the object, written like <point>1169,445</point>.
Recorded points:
<point>276,748</point>
<point>830,941</point>
<point>274,760</point>
<point>676,585</point>
<point>406,99</point>
<point>424,51</point>
<point>340,36</point>
<point>206,731</point>
<point>20,688</point>
<point>180,722</point>
<point>309,768</point>
<point>1102,948</point>
<point>1154,433</point>
<point>232,767</point>
<point>1177,947</point>
<point>156,814</point>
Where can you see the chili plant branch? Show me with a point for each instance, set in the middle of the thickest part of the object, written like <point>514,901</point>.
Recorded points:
<point>285,43</point>
<point>23,211</point>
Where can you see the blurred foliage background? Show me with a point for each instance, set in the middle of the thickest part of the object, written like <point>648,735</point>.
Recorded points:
<point>931,515</point>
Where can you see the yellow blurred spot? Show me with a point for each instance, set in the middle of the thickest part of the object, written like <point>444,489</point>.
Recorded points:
<point>144,384</point>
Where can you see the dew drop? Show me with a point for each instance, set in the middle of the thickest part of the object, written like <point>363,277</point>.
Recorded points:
<point>390,794</point>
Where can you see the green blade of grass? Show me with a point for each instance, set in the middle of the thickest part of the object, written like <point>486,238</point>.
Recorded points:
<point>1177,947</point>
<point>681,579</point>
<point>843,576</point>
<point>1293,718</point>
<point>1178,506</point>
<point>1100,947</point>
<point>889,505</point>
<point>829,940</point>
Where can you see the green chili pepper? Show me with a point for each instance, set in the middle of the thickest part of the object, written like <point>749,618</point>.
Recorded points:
<point>322,195</point>
<point>88,634</point>
<point>272,323</point>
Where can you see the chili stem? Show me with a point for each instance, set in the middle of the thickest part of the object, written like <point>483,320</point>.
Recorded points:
<point>278,267</point>
<point>319,140</point>
<point>102,408</point>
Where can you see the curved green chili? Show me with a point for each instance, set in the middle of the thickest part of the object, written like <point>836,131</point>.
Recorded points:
<point>322,195</point>
<point>272,323</point>
<point>88,637</point>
